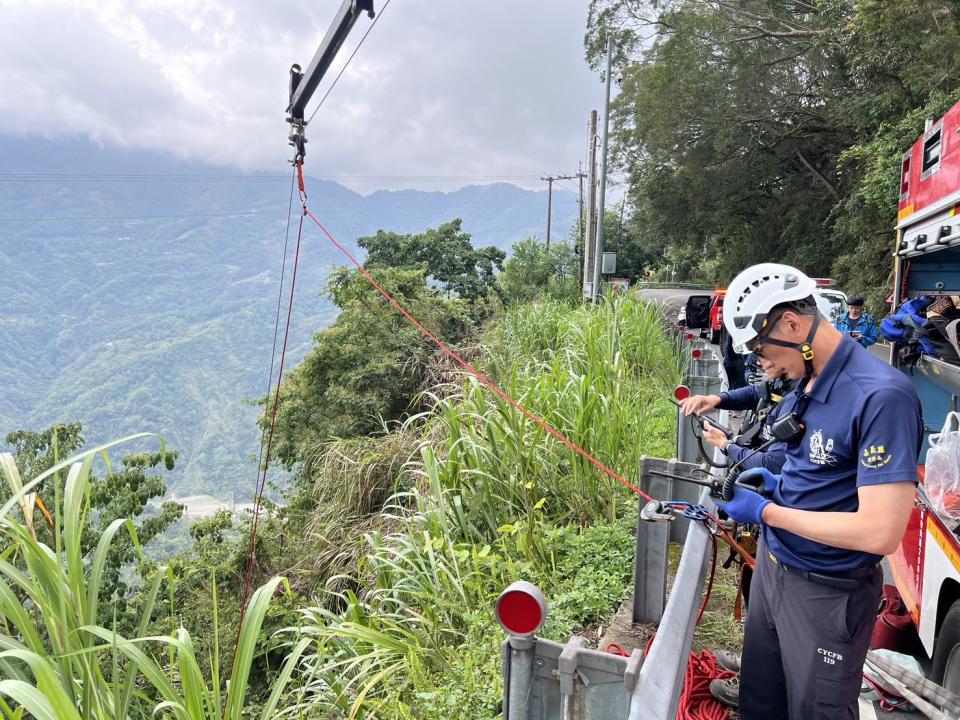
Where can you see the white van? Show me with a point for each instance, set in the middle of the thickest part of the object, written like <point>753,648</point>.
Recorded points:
<point>832,303</point>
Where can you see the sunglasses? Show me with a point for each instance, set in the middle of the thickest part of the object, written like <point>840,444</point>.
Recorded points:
<point>756,345</point>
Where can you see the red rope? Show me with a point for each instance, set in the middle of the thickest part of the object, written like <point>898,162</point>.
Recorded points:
<point>258,498</point>
<point>616,649</point>
<point>488,383</point>
<point>889,700</point>
<point>696,702</point>
<point>473,371</point>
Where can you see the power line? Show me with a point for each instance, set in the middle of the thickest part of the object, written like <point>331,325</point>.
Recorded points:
<point>551,179</point>
<point>266,214</point>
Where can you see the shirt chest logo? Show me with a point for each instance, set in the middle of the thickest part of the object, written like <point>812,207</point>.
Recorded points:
<point>821,451</point>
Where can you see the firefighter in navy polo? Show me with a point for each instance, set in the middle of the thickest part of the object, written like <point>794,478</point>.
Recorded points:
<point>841,503</point>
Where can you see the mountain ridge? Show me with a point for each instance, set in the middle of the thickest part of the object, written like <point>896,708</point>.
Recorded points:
<point>147,302</point>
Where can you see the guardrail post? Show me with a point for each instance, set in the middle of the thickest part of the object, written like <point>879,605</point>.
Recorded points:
<point>709,363</point>
<point>650,564</point>
<point>518,657</point>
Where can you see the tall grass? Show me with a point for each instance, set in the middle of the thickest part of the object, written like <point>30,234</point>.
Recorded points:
<point>601,376</point>
<point>491,491</point>
<point>59,657</point>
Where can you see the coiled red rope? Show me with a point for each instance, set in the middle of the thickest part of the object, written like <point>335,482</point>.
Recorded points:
<point>696,702</point>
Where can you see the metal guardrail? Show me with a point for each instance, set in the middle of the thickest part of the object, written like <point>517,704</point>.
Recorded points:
<point>657,692</point>
<point>660,683</point>
<point>544,680</point>
<point>550,681</point>
<point>654,538</point>
<point>673,285</point>
<point>656,695</point>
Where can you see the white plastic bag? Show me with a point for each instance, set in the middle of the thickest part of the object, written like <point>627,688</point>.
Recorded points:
<point>942,478</point>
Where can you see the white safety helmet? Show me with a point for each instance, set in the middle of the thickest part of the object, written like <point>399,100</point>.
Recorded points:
<point>754,292</point>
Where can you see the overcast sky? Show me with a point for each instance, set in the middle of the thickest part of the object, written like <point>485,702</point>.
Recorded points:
<point>477,89</point>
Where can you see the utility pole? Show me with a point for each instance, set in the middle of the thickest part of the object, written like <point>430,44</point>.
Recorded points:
<point>588,244</point>
<point>580,216</point>
<point>623,204</point>
<point>550,180</point>
<point>598,253</point>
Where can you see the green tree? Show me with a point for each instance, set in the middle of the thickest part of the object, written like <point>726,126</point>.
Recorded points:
<point>367,367</point>
<point>446,253</point>
<point>37,452</point>
<point>535,269</point>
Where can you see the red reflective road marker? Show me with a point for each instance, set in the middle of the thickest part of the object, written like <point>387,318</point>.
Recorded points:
<point>682,392</point>
<point>521,608</point>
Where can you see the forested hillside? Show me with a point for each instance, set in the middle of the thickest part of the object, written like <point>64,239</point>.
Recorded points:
<point>140,292</point>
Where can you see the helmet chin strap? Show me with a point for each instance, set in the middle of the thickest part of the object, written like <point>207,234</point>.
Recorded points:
<point>805,348</point>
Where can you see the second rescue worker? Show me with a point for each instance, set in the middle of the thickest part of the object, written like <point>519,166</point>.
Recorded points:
<point>841,503</point>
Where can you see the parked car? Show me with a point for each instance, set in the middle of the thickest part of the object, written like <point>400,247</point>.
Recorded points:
<point>716,316</point>
<point>697,312</point>
<point>831,302</point>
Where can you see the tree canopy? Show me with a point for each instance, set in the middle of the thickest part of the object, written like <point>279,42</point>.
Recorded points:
<point>759,130</point>
<point>445,253</point>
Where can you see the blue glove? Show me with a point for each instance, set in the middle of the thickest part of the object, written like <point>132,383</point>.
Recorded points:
<point>746,507</point>
<point>753,475</point>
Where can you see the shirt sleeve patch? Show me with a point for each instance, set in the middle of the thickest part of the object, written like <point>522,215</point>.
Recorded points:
<point>875,457</point>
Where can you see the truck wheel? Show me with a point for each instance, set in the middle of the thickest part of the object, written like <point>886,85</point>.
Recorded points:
<point>946,653</point>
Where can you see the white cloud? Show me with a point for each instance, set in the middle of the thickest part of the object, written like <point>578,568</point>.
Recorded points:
<point>459,87</point>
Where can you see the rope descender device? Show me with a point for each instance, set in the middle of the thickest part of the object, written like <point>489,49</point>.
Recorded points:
<point>667,511</point>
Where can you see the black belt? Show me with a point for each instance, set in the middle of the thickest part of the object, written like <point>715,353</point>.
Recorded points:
<point>847,580</point>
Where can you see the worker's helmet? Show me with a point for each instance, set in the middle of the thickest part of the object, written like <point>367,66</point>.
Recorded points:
<point>755,292</point>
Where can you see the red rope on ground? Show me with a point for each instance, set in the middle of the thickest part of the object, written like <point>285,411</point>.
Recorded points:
<point>696,702</point>
<point>616,649</point>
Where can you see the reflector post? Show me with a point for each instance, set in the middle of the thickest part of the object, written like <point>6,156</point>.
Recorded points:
<point>521,609</point>
<point>696,353</point>
<point>682,392</point>
<point>689,336</point>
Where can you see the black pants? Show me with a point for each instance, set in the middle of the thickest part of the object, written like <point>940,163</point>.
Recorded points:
<point>804,645</point>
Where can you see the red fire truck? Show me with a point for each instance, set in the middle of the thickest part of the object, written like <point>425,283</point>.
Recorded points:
<point>926,567</point>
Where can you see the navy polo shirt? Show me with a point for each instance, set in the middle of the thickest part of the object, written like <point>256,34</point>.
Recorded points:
<point>863,426</point>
